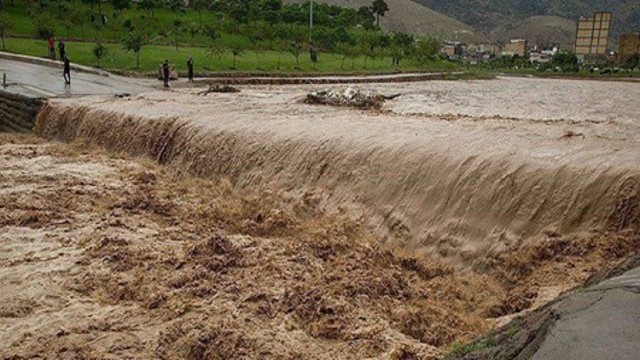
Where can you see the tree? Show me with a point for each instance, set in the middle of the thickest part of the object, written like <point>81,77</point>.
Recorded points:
<point>176,7</point>
<point>297,43</point>
<point>193,30</point>
<point>566,61</point>
<point>5,24</point>
<point>366,17</point>
<point>258,34</point>
<point>270,10</point>
<point>45,25</point>
<point>632,62</point>
<point>149,6</point>
<point>99,51</point>
<point>121,5</point>
<point>75,19</point>
<point>348,51</point>
<point>134,42</point>
<point>281,46</point>
<point>368,43</point>
<point>199,6</point>
<point>176,31</point>
<point>214,35</point>
<point>237,49</point>
<point>379,8</point>
<point>401,46</point>
<point>426,49</point>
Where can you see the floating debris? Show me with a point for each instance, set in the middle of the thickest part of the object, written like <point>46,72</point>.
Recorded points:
<point>349,97</point>
<point>219,89</point>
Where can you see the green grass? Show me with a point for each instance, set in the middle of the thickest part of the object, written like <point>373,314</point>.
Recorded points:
<point>80,42</point>
<point>459,350</point>
<point>151,56</point>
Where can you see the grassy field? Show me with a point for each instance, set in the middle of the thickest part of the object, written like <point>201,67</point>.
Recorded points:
<point>151,56</point>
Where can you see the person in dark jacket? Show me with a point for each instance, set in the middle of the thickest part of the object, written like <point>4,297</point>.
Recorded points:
<point>165,72</point>
<point>190,68</point>
<point>61,50</point>
<point>66,73</point>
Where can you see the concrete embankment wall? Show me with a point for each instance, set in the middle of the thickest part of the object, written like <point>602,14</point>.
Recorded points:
<point>321,80</point>
<point>17,112</point>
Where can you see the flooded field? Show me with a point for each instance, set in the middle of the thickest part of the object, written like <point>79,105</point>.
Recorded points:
<point>249,225</point>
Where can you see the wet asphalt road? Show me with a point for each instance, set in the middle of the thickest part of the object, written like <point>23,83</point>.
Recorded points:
<point>47,81</point>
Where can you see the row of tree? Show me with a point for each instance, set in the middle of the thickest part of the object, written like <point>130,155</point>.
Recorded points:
<point>236,26</point>
<point>293,39</point>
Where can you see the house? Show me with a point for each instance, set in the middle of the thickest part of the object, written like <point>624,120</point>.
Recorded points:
<point>515,47</point>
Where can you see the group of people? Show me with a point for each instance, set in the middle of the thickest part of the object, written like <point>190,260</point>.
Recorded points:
<point>62,52</point>
<point>166,71</point>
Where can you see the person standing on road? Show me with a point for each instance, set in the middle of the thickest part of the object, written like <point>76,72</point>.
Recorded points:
<point>165,72</point>
<point>190,68</point>
<point>52,50</point>
<point>66,73</point>
<point>61,50</point>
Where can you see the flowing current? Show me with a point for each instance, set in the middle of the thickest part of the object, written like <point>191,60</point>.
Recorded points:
<point>458,169</point>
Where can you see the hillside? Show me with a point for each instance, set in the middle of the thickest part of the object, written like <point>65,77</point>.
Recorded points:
<point>490,16</point>
<point>547,30</point>
<point>408,16</point>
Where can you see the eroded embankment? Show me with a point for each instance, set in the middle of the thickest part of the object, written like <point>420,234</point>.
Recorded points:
<point>465,191</point>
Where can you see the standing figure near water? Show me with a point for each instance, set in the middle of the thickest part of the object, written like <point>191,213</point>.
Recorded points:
<point>61,50</point>
<point>66,73</point>
<point>52,49</point>
<point>165,73</point>
<point>190,68</point>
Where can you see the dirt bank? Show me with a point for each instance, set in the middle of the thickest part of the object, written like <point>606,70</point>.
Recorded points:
<point>105,256</point>
<point>464,187</point>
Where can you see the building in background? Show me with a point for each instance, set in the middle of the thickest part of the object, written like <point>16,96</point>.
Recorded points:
<point>592,37</point>
<point>629,44</point>
<point>543,54</point>
<point>515,47</point>
<point>453,49</point>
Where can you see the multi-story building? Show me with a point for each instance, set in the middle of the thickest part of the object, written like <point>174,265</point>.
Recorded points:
<point>592,37</point>
<point>629,44</point>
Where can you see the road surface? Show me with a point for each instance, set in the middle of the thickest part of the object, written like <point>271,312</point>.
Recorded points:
<point>46,81</point>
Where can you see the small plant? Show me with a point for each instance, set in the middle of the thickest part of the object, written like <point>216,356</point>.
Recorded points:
<point>236,50</point>
<point>99,51</point>
<point>5,24</point>
<point>45,26</point>
<point>134,42</point>
<point>459,350</point>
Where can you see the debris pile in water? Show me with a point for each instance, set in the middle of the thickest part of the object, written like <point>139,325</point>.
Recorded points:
<point>348,97</point>
<point>219,89</point>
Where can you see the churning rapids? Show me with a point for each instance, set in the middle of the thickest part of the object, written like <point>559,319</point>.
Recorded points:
<point>266,228</point>
<point>458,169</point>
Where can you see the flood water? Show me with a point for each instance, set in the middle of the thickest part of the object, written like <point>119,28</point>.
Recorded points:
<point>522,98</point>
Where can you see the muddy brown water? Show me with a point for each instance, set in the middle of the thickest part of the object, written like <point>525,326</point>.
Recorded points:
<point>277,230</point>
<point>519,158</point>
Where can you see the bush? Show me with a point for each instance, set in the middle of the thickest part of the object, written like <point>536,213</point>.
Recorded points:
<point>99,51</point>
<point>45,26</point>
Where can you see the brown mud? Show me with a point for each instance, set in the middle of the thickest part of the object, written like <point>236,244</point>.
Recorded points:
<point>106,256</point>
